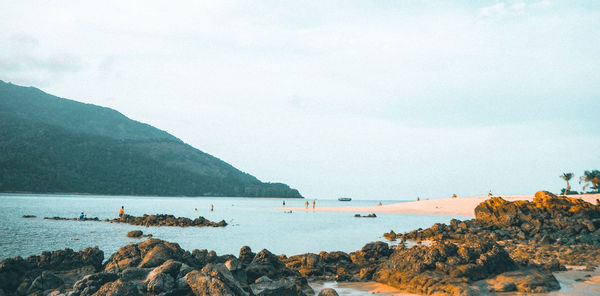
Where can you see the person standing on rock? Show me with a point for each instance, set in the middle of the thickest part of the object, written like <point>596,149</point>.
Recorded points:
<point>121,212</point>
<point>81,216</point>
<point>313,204</point>
<point>212,208</point>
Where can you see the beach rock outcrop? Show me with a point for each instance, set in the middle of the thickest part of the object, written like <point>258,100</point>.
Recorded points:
<point>72,219</point>
<point>48,271</point>
<point>214,279</point>
<point>167,220</point>
<point>524,281</point>
<point>444,267</point>
<point>340,266</point>
<point>151,220</point>
<point>540,236</point>
<point>147,254</point>
<point>151,267</point>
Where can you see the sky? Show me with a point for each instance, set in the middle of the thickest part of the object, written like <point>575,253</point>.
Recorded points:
<point>366,99</point>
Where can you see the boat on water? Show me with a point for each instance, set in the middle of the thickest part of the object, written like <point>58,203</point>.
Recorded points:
<point>344,199</point>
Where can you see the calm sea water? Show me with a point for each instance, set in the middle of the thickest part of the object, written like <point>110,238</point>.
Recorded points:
<point>252,221</point>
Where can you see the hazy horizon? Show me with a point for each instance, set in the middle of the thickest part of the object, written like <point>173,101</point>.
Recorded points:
<point>370,100</point>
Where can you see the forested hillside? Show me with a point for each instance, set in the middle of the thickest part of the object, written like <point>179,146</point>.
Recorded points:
<point>49,144</point>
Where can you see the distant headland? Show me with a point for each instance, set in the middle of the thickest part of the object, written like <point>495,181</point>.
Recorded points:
<point>56,145</point>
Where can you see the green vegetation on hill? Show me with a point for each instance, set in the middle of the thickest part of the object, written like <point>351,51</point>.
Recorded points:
<point>49,144</point>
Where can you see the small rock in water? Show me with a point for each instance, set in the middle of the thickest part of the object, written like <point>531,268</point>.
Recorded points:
<point>372,215</point>
<point>328,292</point>
<point>135,233</point>
<point>29,216</point>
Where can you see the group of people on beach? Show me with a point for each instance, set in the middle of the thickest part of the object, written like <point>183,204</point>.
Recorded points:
<point>306,203</point>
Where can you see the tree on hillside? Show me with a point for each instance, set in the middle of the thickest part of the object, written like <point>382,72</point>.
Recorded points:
<point>567,177</point>
<point>590,178</point>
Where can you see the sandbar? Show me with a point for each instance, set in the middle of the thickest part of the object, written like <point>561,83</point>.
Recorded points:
<point>459,206</point>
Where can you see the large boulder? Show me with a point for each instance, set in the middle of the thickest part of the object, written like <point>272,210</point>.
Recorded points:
<point>328,292</point>
<point>89,284</point>
<point>524,281</point>
<point>545,206</point>
<point>264,286</point>
<point>269,265</point>
<point>118,288</point>
<point>214,279</point>
<point>146,254</point>
<point>46,281</point>
<point>162,278</point>
<point>444,267</point>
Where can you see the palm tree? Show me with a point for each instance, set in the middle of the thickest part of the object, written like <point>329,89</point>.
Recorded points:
<point>590,177</point>
<point>567,177</point>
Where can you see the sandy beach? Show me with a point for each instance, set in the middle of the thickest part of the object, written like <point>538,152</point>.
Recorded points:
<point>460,206</point>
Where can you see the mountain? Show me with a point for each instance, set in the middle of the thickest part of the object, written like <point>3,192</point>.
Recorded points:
<point>50,145</point>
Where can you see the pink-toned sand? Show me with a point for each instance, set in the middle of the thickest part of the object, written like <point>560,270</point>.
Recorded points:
<point>460,206</point>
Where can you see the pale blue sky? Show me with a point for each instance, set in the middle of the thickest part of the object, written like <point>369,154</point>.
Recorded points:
<point>367,99</point>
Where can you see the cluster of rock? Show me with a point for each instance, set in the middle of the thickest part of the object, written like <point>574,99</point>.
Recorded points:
<point>71,219</point>
<point>340,266</point>
<point>152,267</point>
<point>151,220</point>
<point>167,220</point>
<point>49,271</point>
<point>469,268</point>
<point>372,215</point>
<point>509,246</point>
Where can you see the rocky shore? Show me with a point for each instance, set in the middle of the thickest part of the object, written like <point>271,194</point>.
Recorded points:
<point>167,220</point>
<point>153,220</point>
<point>508,247</point>
<point>152,267</point>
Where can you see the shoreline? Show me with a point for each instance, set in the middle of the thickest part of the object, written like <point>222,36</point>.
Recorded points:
<point>460,206</point>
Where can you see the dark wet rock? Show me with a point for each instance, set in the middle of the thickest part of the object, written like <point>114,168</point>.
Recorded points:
<point>29,216</point>
<point>328,292</point>
<point>167,220</point>
<point>135,233</point>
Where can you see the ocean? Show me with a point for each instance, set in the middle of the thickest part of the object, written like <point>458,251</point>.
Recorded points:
<point>254,222</point>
